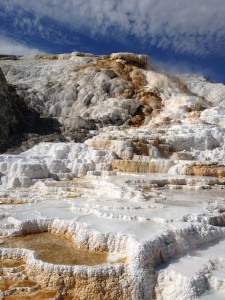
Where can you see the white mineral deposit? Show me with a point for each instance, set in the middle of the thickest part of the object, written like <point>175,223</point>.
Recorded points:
<point>113,186</point>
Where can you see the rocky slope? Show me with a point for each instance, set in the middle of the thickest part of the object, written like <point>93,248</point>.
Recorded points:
<point>138,176</point>
<point>10,113</point>
<point>22,126</point>
<point>84,92</point>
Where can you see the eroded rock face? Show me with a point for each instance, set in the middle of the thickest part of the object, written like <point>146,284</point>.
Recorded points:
<point>85,93</point>
<point>80,93</point>
<point>10,113</point>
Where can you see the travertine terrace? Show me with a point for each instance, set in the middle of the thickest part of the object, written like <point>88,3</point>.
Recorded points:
<point>124,163</point>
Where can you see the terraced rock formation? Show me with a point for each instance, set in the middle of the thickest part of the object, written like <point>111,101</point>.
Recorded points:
<point>134,189</point>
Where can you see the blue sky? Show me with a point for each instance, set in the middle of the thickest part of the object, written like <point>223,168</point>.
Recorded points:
<point>178,35</point>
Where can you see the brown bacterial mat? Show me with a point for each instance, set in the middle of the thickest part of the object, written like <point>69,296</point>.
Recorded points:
<point>55,249</point>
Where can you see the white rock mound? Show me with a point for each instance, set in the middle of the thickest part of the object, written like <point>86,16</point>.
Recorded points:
<point>146,186</point>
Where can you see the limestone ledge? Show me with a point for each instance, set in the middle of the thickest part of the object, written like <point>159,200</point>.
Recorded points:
<point>189,277</point>
<point>140,258</point>
<point>210,169</point>
<point>132,166</point>
<point>49,160</point>
<point>81,282</point>
<point>141,120</point>
<point>71,160</point>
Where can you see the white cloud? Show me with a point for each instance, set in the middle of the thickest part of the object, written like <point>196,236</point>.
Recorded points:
<point>11,47</point>
<point>185,26</point>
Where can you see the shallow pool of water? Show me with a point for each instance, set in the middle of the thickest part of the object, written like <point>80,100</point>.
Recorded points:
<point>142,231</point>
<point>56,249</point>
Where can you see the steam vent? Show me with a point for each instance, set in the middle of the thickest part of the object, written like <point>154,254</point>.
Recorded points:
<point>112,177</point>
